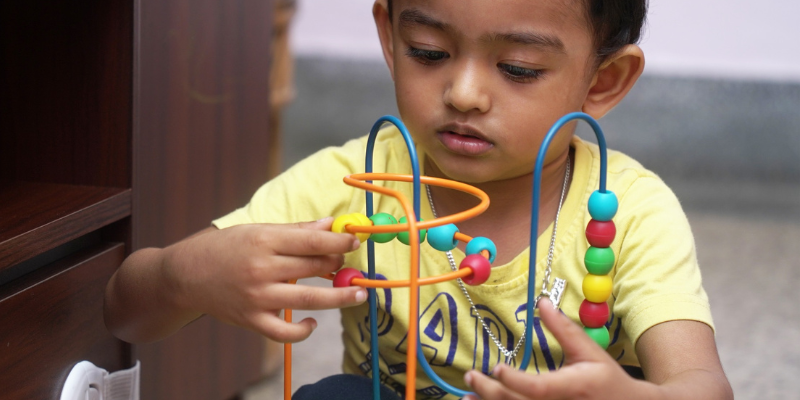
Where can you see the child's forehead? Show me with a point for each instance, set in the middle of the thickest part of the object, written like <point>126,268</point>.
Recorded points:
<point>509,14</point>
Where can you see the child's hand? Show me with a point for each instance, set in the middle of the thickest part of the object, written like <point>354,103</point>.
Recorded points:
<point>589,373</point>
<point>240,275</point>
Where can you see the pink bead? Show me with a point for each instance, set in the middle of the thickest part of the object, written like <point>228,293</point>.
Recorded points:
<point>481,269</point>
<point>593,315</point>
<point>600,233</point>
<point>345,276</point>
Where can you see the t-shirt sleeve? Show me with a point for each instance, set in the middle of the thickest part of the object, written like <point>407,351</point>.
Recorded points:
<point>657,278</point>
<point>310,190</point>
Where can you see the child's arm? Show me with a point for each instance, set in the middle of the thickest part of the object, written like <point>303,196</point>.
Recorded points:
<point>238,275</point>
<point>679,359</point>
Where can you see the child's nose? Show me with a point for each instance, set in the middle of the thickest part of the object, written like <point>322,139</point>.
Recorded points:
<point>467,90</point>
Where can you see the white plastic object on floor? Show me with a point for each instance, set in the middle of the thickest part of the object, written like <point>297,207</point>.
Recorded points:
<point>86,381</point>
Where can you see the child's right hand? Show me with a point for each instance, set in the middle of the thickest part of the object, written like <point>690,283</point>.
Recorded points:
<point>238,275</point>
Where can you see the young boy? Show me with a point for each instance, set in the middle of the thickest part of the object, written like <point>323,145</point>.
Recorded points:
<point>478,84</point>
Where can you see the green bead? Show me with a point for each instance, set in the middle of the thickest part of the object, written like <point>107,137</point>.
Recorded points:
<point>599,335</point>
<point>403,237</point>
<point>599,260</point>
<point>383,219</point>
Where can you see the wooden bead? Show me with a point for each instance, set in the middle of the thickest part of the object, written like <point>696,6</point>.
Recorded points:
<point>345,276</point>
<point>599,335</point>
<point>442,238</point>
<point>481,269</point>
<point>479,244</point>
<point>603,206</point>
<point>593,315</point>
<point>597,288</point>
<point>600,233</point>
<point>599,260</point>
<point>381,219</point>
<point>341,222</point>
<point>404,236</point>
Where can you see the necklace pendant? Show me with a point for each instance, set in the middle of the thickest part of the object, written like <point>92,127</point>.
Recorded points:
<point>559,286</point>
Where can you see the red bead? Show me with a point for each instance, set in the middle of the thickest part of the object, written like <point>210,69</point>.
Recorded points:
<point>481,269</point>
<point>600,233</point>
<point>345,276</point>
<point>593,315</point>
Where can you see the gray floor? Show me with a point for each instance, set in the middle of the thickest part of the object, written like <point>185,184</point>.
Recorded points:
<point>730,151</point>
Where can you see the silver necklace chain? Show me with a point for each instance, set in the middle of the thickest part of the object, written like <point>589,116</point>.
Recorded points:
<point>509,354</point>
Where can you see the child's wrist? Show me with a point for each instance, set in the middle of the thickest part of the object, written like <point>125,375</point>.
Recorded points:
<point>173,287</point>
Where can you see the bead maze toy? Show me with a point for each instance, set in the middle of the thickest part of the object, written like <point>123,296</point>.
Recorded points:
<point>443,235</point>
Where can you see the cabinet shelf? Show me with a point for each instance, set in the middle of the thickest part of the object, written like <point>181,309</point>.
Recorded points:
<point>36,217</point>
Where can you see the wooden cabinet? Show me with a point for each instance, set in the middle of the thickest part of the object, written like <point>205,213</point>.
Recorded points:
<point>123,124</point>
<point>49,320</point>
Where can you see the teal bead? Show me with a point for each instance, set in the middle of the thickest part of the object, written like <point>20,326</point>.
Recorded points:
<point>478,244</point>
<point>599,335</point>
<point>403,237</point>
<point>383,219</point>
<point>442,238</point>
<point>599,260</point>
<point>603,206</point>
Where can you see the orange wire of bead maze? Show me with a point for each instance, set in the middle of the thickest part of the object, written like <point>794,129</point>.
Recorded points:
<point>414,282</point>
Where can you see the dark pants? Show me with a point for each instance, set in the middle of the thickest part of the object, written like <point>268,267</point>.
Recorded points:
<point>342,387</point>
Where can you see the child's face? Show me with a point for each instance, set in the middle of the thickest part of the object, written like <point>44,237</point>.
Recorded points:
<point>480,82</point>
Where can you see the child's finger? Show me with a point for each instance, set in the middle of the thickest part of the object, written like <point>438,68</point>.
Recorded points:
<point>488,388</point>
<point>307,242</point>
<point>302,297</point>
<point>294,267</point>
<point>559,384</point>
<point>321,224</point>
<point>576,344</point>
<point>275,328</point>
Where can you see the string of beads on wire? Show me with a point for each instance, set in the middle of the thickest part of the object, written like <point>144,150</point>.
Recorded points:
<point>480,251</point>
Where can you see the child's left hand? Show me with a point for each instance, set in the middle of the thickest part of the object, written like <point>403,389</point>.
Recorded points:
<point>587,372</point>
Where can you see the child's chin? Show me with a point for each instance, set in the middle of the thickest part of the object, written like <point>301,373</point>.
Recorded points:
<point>468,175</point>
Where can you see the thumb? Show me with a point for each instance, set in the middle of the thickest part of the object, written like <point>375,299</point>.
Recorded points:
<point>575,343</point>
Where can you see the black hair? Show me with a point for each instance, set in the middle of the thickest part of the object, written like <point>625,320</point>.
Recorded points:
<point>615,24</point>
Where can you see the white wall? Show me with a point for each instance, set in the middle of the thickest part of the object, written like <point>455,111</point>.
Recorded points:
<point>740,39</point>
<point>729,38</point>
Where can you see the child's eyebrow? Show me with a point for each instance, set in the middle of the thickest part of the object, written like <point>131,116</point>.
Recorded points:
<point>412,17</point>
<point>551,43</point>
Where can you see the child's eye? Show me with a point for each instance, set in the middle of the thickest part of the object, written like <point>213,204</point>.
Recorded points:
<point>426,57</point>
<point>519,74</point>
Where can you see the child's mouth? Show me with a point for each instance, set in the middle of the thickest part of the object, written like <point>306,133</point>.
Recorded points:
<point>464,144</point>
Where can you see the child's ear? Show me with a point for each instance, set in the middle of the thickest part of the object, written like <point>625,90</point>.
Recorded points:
<point>384,24</point>
<point>613,79</point>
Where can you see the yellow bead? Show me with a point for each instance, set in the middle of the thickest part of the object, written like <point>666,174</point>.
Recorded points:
<point>363,221</point>
<point>341,222</point>
<point>597,288</point>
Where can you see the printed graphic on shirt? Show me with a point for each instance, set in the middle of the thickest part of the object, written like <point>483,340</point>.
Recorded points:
<point>438,332</point>
<point>440,338</point>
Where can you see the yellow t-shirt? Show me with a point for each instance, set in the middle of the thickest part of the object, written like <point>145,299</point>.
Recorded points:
<point>656,276</point>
